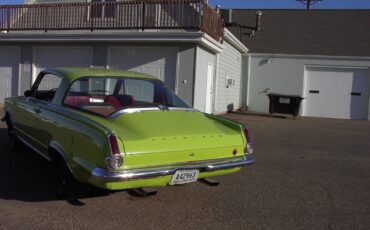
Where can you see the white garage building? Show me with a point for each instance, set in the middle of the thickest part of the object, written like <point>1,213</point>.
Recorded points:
<point>188,56</point>
<point>321,55</point>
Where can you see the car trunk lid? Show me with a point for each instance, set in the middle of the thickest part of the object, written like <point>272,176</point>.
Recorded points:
<point>166,137</point>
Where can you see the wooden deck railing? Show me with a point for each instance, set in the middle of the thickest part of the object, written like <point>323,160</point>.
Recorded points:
<point>126,15</point>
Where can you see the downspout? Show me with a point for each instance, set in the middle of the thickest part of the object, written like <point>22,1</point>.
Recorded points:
<point>214,88</point>
<point>194,73</point>
<point>248,78</point>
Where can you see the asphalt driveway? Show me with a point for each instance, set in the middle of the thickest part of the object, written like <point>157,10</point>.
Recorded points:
<point>310,174</point>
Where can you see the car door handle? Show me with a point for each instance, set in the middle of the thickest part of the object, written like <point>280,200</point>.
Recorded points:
<point>37,111</point>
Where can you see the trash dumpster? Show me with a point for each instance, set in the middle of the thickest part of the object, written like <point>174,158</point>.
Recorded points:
<point>286,104</point>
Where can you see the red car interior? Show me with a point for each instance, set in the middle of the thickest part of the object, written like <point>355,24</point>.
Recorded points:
<point>73,99</point>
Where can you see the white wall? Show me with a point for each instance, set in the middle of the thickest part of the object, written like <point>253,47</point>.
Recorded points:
<point>229,64</point>
<point>285,74</point>
<point>203,58</point>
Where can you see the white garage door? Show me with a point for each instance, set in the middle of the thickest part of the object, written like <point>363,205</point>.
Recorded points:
<point>336,93</point>
<point>53,57</point>
<point>156,61</point>
<point>9,75</point>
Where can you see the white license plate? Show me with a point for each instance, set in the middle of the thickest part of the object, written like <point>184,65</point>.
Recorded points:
<point>284,100</point>
<point>184,176</point>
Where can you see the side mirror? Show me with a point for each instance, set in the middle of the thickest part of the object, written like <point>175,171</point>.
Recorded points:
<point>27,93</point>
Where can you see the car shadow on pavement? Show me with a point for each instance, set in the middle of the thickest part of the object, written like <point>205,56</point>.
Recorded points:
<point>26,176</point>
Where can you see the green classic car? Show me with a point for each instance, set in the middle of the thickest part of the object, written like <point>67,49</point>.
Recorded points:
<point>122,130</point>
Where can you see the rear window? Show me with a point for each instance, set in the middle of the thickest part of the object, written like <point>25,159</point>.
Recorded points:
<point>106,95</point>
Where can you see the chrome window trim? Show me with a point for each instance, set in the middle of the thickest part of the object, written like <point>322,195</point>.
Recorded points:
<point>139,110</point>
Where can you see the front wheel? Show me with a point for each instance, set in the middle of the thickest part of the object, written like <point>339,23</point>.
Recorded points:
<point>14,142</point>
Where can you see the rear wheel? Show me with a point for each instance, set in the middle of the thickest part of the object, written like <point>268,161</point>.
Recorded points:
<point>66,184</point>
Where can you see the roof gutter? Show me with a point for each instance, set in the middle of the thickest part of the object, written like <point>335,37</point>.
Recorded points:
<point>98,36</point>
<point>310,56</point>
<point>114,36</point>
<point>211,43</point>
<point>230,37</point>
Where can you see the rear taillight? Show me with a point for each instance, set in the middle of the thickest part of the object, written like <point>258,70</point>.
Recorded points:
<point>115,160</point>
<point>113,144</point>
<point>248,140</point>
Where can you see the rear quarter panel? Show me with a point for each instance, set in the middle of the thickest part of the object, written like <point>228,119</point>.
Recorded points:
<point>83,141</point>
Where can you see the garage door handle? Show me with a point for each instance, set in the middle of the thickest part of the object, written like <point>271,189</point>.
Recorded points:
<point>314,91</point>
<point>356,94</point>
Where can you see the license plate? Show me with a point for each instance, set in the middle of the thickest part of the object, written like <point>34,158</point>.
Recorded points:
<point>184,176</point>
<point>284,100</point>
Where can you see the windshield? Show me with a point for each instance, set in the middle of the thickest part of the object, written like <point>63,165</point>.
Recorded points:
<point>107,95</point>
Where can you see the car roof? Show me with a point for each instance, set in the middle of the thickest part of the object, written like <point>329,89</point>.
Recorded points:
<point>72,73</point>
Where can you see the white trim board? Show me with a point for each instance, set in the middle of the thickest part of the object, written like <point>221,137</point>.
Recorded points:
<point>304,56</point>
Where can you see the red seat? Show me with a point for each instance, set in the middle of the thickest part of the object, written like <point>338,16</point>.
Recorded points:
<point>113,101</point>
<point>76,100</point>
<point>126,100</point>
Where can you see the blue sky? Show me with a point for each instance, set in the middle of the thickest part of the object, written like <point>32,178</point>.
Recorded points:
<point>274,4</point>
<point>291,4</point>
<point>11,1</point>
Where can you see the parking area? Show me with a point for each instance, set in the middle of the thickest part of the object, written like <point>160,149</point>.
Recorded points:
<point>309,174</point>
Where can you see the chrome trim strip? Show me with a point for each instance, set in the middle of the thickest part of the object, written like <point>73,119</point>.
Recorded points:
<point>33,148</point>
<point>126,175</point>
<point>30,137</point>
<point>132,110</point>
<point>138,110</point>
<point>79,116</point>
<point>183,109</point>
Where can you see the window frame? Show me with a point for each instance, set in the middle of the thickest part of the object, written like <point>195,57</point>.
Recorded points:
<point>36,84</point>
<point>69,86</point>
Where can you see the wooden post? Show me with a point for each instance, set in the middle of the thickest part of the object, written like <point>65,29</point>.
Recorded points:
<point>143,16</point>
<point>8,19</point>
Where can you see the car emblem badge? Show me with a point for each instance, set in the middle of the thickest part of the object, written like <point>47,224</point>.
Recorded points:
<point>191,155</point>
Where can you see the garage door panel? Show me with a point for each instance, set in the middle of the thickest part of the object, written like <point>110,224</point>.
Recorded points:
<point>329,93</point>
<point>361,84</point>
<point>54,57</point>
<point>9,72</point>
<point>159,62</point>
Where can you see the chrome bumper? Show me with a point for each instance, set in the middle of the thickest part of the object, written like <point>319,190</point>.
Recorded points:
<point>145,173</point>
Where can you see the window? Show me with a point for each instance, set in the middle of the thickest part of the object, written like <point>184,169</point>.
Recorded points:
<point>105,95</point>
<point>139,89</point>
<point>47,87</point>
<point>103,9</point>
<point>95,85</point>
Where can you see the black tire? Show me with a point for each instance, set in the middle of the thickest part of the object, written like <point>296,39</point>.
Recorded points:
<point>14,143</point>
<point>66,184</point>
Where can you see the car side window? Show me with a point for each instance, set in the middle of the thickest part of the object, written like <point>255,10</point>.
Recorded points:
<point>47,87</point>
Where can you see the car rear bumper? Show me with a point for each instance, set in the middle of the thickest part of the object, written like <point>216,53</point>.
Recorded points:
<point>146,173</point>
